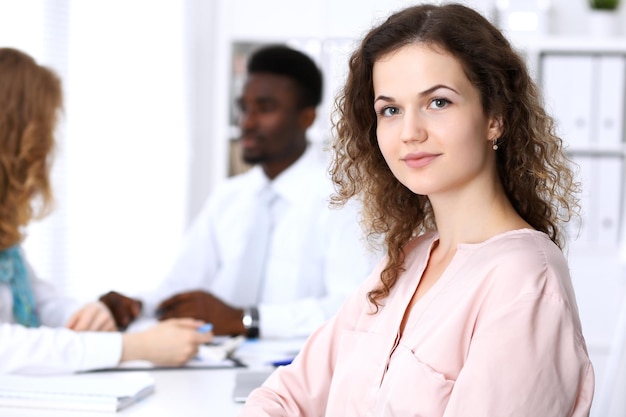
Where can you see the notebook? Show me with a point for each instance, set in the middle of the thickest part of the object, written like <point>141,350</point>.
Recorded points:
<point>87,392</point>
<point>246,381</point>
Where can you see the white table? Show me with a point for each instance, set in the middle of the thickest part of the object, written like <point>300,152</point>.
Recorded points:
<point>189,392</point>
<point>185,392</point>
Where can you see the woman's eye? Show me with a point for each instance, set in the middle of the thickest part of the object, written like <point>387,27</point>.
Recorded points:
<point>439,103</point>
<point>389,111</point>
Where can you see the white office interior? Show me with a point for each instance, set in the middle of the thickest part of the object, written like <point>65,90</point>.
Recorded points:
<point>147,130</point>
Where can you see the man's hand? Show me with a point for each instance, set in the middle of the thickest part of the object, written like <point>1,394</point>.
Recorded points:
<point>204,306</point>
<point>124,309</point>
<point>92,317</point>
<point>169,343</point>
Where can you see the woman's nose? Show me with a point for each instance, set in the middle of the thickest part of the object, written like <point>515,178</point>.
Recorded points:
<point>413,127</point>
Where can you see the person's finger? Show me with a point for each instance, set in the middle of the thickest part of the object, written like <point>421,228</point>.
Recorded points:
<point>103,322</point>
<point>83,320</point>
<point>125,316</point>
<point>112,300</point>
<point>182,308</point>
<point>122,321</point>
<point>187,322</point>
<point>203,338</point>
<point>172,301</point>
<point>108,326</point>
<point>71,323</point>
<point>169,303</point>
<point>135,310</point>
<point>167,314</point>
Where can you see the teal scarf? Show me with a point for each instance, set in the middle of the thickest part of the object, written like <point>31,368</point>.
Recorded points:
<point>13,272</point>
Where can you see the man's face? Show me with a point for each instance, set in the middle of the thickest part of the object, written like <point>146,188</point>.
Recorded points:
<point>270,122</point>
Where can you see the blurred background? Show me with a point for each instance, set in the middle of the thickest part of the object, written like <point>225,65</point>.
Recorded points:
<point>148,128</point>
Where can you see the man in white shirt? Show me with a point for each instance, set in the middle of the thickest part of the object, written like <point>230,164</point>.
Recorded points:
<point>315,255</point>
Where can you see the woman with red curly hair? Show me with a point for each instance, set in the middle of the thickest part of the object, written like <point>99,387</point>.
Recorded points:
<point>41,331</point>
<point>441,133</point>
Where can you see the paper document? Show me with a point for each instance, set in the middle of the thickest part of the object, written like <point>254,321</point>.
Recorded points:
<point>86,392</point>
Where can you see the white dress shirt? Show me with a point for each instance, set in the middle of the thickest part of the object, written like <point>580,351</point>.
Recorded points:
<point>316,258</point>
<point>50,348</point>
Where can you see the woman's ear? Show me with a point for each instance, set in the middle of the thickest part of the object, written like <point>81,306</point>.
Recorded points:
<point>306,117</point>
<point>494,130</point>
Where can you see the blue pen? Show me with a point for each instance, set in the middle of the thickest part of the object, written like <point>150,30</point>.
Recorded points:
<point>283,362</point>
<point>205,328</point>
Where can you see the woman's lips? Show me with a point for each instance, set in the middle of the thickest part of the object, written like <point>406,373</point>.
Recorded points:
<point>418,160</point>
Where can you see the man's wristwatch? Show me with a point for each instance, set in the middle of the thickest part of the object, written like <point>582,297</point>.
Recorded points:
<point>251,321</point>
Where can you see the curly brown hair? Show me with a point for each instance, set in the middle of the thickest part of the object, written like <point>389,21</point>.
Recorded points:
<point>30,97</point>
<point>532,165</point>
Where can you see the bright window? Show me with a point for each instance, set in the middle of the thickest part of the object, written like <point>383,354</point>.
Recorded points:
<point>121,167</point>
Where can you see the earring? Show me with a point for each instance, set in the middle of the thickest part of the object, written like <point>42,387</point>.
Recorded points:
<point>495,144</point>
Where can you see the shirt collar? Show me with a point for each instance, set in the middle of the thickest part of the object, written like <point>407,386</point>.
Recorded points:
<point>288,184</point>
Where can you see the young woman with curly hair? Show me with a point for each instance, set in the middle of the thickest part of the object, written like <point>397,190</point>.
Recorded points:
<point>441,133</point>
<point>40,330</point>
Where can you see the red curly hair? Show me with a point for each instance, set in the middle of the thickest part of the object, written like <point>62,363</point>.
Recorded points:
<point>30,101</point>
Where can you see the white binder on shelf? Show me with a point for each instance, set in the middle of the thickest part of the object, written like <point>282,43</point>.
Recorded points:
<point>608,187</point>
<point>568,92</point>
<point>608,107</point>
<point>602,186</point>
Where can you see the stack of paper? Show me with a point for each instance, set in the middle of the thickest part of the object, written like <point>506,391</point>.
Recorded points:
<point>88,392</point>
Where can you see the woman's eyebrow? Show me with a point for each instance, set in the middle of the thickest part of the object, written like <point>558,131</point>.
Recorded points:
<point>383,98</point>
<point>436,87</point>
<point>421,94</point>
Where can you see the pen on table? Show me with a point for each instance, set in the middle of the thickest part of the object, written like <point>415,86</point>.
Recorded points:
<point>205,328</point>
<point>282,362</point>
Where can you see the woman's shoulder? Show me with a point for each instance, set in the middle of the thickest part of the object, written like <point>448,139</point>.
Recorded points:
<point>520,262</point>
<point>517,246</point>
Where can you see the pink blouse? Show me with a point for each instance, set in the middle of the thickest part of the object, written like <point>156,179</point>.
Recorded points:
<point>497,335</point>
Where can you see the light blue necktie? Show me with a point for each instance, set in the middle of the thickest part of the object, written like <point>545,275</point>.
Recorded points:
<point>13,272</point>
<point>252,274</point>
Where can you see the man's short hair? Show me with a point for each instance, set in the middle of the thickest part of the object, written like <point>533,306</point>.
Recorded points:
<point>282,60</point>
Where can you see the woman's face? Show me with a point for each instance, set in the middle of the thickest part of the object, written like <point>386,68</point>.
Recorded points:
<point>431,128</point>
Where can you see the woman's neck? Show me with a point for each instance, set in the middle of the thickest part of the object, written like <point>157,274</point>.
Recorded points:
<point>474,219</point>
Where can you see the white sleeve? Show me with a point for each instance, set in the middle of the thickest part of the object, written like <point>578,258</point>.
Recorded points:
<point>53,308</point>
<point>348,258</point>
<point>45,350</point>
<point>194,266</point>
<point>347,262</point>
